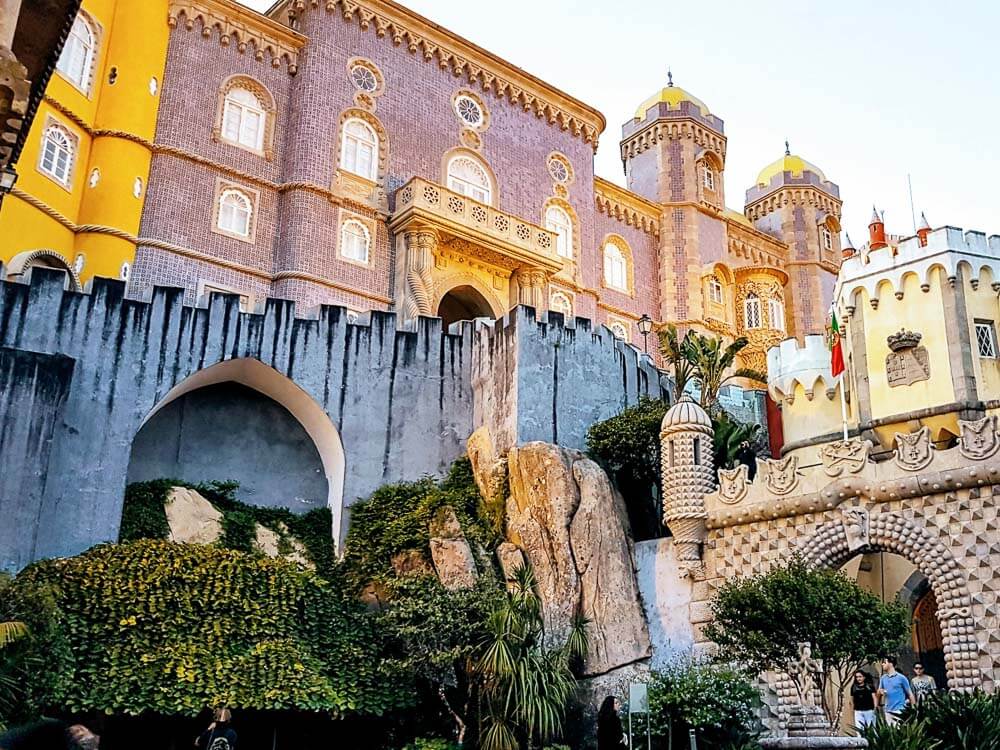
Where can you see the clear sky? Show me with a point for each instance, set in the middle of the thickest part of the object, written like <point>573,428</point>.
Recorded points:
<point>867,90</point>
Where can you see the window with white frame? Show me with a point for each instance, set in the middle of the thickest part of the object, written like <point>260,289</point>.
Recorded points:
<point>708,176</point>
<point>826,236</point>
<point>615,267</point>
<point>986,338</point>
<point>235,212</point>
<point>560,302</point>
<point>468,177</point>
<point>58,154</point>
<point>243,119</point>
<point>776,314</point>
<point>557,220</point>
<point>77,58</point>
<point>359,152</point>
<point>619,330</point>
<point>751,311</point>
<point>715,290</point>
<point>355,241</point>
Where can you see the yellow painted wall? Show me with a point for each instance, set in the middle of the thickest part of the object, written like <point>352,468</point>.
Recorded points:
<point>804,419</point>
<point>114,125</point>
<point>917,311</point>
<point>982,303</point>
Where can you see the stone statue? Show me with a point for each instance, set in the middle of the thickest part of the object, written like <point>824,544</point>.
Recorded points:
<point>804,671</point>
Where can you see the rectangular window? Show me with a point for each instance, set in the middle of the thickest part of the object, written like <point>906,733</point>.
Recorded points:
<point>986,338</point>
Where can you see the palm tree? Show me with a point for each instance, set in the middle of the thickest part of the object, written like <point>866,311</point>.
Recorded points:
<point>676,352</point>
<point>11,631</point>
<point>526,685</point>
<point>712,361</point>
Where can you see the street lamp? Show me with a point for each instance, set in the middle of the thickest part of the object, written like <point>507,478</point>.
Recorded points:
<point>645,326</point>
<point>8,176</point>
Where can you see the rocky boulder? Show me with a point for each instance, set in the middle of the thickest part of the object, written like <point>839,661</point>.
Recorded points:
<point>450,552</point>
<point>191,518</point>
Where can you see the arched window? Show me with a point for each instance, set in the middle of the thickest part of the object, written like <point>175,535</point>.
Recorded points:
<point>235,211</point>
<point>355,240</point>
<point>715,290</point>
<point>243,119</point>
<point>558,221</point>
<point>77,58</point>
<point>826,237</point>
<point>468,177</point>
<point>708,176</point>
<point>615,268</point>
<point>559,302</point>
<point>359,153</point>
<point>751,311</point>
<point>619,330</point>
<point>776,314</point>
<point>58,153</point>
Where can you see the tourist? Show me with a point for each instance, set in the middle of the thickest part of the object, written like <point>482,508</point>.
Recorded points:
<point>894,690</point>
<point>864,699</point>
<point>923,684</point>
<point>609,726</point>
<point>50,734</point>
<point>219,735</point>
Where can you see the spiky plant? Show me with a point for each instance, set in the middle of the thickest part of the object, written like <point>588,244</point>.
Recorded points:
<point>676,352</point>
<point>713,366</point>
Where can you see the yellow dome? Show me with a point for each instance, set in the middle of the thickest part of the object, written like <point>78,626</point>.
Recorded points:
<point>788,163</point>
<point>673,96</point>
<point>737,216</point>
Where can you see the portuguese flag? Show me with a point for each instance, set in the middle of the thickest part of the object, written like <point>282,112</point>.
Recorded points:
<point>836,349</point>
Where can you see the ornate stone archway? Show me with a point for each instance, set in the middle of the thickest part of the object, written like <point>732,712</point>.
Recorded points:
<point>858,531</point>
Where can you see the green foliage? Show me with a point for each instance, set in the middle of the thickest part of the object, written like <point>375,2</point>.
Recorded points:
<point>628,447</point>
<point>943,721</point>
<point>170,628</point>
<point>526,686</point>
<point>759,621</point>
<point>730,439</point>
<point>904,736</point>
<point>144,517</point>
<point>717,701</point>
<point>431,743</point>
<point>712,360</point>
<point>678,354</point>
<point>396,518</point>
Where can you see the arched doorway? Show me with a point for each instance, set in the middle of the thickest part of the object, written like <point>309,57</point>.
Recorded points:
<point>463,302</point>
<point>21,263</point>
<point>242,420</point>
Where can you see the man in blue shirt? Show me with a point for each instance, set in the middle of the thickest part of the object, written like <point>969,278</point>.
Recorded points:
<point>894,690</point>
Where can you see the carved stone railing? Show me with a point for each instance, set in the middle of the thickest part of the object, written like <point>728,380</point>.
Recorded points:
<point>426,203</point>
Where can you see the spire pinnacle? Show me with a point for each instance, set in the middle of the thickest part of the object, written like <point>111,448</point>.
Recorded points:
<point>924,224</point>
<point>849,245</point>
<point>876,219</point>
<point>788,151</point>
<point>670,78</point>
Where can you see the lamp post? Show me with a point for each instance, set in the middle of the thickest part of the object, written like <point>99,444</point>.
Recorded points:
<point>8,176</point>
<point>645,326</point>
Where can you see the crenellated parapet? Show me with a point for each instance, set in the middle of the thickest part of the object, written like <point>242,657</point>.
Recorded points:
<point>807,367</point>
<point>947,249</point>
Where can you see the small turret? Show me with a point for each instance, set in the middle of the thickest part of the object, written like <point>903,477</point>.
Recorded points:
<point>848,250</point>
<point>923,230</point>
<point>876,231</point>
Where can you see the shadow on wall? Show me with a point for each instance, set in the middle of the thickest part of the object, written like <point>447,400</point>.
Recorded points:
<point>228,431</point>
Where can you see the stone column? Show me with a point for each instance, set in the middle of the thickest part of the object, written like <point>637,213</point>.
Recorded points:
<point>419,259</point>
<point>539,287</point>
<point>960,345</point>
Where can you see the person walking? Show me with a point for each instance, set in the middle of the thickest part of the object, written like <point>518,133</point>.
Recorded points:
<point>219,735</point>
<point>610,735</point>
<point>863,699</point>
<point>922,683</point>
<point>894,690</point>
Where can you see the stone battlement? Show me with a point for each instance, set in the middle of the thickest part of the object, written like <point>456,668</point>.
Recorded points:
<point>947,248</point>
<point>789,364</point>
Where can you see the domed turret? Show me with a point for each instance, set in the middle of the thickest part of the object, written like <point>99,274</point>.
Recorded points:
<point>672,96</point>
<point>688,475</point>
<point>791,163</point>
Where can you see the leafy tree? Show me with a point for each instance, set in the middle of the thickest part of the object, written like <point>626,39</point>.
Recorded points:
<point>526,686</point>
<point>733,441</point>
<point>759,621</point>
<point>713,366</point>
<point>628,447</point>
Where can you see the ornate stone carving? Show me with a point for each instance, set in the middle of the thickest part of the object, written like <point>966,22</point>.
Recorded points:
<point>781,475</point>
<point>806,717</point>
<point>845,455</point>
<point>913,450</point>
<point>856,528</point>
<point>908,362</point>
<point>419,259</point>
<point>978,438</point>
<point>733,484</point>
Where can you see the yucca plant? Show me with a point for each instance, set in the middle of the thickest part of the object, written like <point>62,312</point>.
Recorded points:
<point>676,352</point>
<point>959,721</point>
<point>11,631</point>
<point>908,735</point>
<point>713,365</point>
<point>526,684</point>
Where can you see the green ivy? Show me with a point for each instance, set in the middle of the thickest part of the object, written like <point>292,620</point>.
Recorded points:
<point>143,514</point>
<point>172,628</point>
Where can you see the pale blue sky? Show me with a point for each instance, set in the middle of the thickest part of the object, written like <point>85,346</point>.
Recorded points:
<point>867,91</point>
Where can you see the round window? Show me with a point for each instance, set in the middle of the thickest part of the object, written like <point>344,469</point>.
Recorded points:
<point>469,111</point>
<point>363,78</point>
<point>558,169</point>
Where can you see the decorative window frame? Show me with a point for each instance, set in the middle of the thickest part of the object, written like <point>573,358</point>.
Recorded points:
<point>569,297</point>
<point>221,186</point>
<point>988,328</point>
<point>773,303</point>
<point>87,87</point>
<point>354,62</point>
<point>574,220</point>
<point>206,287</point>
<point>483,126</point>
<point>347,217</point>
<point>614,320</point>
<point>714,283</point>
<point>353,186</point>
<point>618,241</point>
<point>74,139</point>
<point>562,158</point>
<point>454,153</point>
<point>266,100</point>
<point>709,160</point>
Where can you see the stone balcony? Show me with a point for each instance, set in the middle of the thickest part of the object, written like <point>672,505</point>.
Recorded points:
<point>512,242</point>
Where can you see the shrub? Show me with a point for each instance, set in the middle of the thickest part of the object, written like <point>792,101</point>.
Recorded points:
<point>904,736</point>
<point>959,721</point>
<point>717,701</point>
<point>431,743</point>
